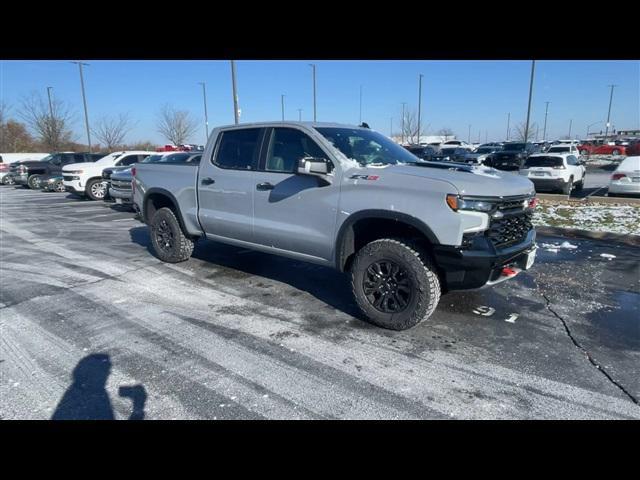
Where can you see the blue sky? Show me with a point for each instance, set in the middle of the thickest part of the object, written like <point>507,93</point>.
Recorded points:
<point>455,93</point>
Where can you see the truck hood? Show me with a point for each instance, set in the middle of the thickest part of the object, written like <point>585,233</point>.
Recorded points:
<point>26,163</point>
<point>82,166</point>
<point>122,175</point>
<point>467,179</point>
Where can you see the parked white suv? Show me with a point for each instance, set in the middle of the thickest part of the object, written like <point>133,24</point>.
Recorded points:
<point>555,171</point>
<point>570,148</point>
<point>86,178</point>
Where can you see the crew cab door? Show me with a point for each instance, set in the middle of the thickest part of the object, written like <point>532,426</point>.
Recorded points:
<point>226,184</point>
<point>293,212</point>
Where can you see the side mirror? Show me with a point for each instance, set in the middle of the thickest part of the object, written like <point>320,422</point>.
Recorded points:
<point>312,166</point>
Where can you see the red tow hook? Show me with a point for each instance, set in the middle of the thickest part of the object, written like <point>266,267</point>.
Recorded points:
<point>508,272</point>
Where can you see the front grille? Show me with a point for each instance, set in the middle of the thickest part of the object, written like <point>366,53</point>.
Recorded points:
<point>510,229</point>
<point>122,185</point>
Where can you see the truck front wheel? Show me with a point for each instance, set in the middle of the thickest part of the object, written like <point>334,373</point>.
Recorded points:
<point>169,242</point>
<point>394,283</point>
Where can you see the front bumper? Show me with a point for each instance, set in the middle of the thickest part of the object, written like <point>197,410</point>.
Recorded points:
<point>548,183</point>
<point>463,269</point>
<point>124,195</point>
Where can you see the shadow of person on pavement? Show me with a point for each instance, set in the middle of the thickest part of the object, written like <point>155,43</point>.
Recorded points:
<point>87,397</point>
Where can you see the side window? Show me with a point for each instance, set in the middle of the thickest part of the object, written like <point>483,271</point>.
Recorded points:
<point>238,149</point>
<point>287,147</point>
<point>75,158</point>
<point>57,160</point>
<point>128,160</point>
<point>571,160</point>
<point>175,158</point>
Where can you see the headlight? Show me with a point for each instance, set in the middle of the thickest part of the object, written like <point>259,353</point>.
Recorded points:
<point>457,203</point>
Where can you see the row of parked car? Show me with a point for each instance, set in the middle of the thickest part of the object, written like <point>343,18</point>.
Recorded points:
<point>551,167</point>
<point>92,175</point>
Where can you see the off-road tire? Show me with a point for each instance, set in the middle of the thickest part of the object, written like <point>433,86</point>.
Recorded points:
<point>88,189</point>
<point>34,182</point>
<point>420,271</point>
<point>180,247</point>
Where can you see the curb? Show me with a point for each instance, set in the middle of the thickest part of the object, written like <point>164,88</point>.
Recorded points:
<point>631,240</point>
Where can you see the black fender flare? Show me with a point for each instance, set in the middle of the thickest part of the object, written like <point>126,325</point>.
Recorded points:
<point>168,195</point>
<point>346,230</point>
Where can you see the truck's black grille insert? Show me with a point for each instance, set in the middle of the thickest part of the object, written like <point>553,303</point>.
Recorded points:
<point>510,229</point>
<point>67,178</point>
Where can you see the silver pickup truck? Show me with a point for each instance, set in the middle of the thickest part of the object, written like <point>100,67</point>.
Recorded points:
<point>404,229</point>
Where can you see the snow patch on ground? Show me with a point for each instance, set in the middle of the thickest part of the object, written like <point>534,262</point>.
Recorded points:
<point>598,217</point>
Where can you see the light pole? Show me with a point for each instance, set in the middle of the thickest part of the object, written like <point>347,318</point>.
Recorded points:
<point>508,124</point>
<point>282,104</point>
<point>52,121</point>
<point>360,117</point>
<point>606,132</point>
<point>235,93</point>
<point>299,114</point>
<point>206,118</point>
<point>402,132</point>
<point>313,67</point>
<point>486,136</point>
<point>544,130</point>
<point>84,101</point>
<point>419,103</point>
<point>526,127</point>
<point>570,125</point>
<point>469,136</point>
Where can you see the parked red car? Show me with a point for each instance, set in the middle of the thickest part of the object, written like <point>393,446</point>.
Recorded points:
<point>633,148</point>
<point>593,149</point>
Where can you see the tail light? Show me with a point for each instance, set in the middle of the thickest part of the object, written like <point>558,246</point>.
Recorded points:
<point>533,203</point>
<point>3,167</point>
<point>561,167</point>
<point>617,176</point>
<point>133,171</point>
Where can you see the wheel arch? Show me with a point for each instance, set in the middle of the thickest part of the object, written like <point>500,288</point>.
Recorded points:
<point>156,198</point>
<point>368,225</point>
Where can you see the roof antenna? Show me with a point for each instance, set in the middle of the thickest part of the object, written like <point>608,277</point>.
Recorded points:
<point>365,125</point>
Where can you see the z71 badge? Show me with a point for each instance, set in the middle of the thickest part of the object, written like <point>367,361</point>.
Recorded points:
<point>365,177</point>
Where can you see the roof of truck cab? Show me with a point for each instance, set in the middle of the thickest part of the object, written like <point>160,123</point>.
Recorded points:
<point>279,123</point>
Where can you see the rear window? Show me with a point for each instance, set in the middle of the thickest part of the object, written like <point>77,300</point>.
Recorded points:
<point>543,162</point>
<point>559,149</point>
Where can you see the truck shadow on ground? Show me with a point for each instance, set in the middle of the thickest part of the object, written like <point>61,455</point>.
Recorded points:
<point>87,398</point>
<point>326,284</point>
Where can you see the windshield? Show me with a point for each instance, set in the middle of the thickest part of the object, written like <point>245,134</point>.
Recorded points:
<point>486,150</point>
<point>109,158</point>
<point>543,162</point>
<point>515,147</point>
<point>366,146</point>
<point>152,159</point>
<point>560,149</point>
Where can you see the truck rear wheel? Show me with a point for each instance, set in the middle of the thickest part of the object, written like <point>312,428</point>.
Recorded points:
<point>169,242</point>
<point>394,283</point>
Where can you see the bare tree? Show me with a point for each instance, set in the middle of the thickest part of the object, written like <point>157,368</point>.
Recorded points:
<point>520,128</point>
<point>177,126</point>
<point>446,132</point>
<point>409,127</point>
<point>4,112</point>
<point>51,125</point>
<point>111,131</point>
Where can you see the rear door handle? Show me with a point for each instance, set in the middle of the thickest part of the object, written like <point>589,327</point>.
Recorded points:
<point>207,181</point>
<point>265,186</point>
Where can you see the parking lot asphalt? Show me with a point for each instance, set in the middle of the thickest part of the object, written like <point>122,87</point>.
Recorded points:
<point>86,310</point>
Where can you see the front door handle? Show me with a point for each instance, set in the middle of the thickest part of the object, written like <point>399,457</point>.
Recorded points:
<point>207,181</point>
<point>265,186</point>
